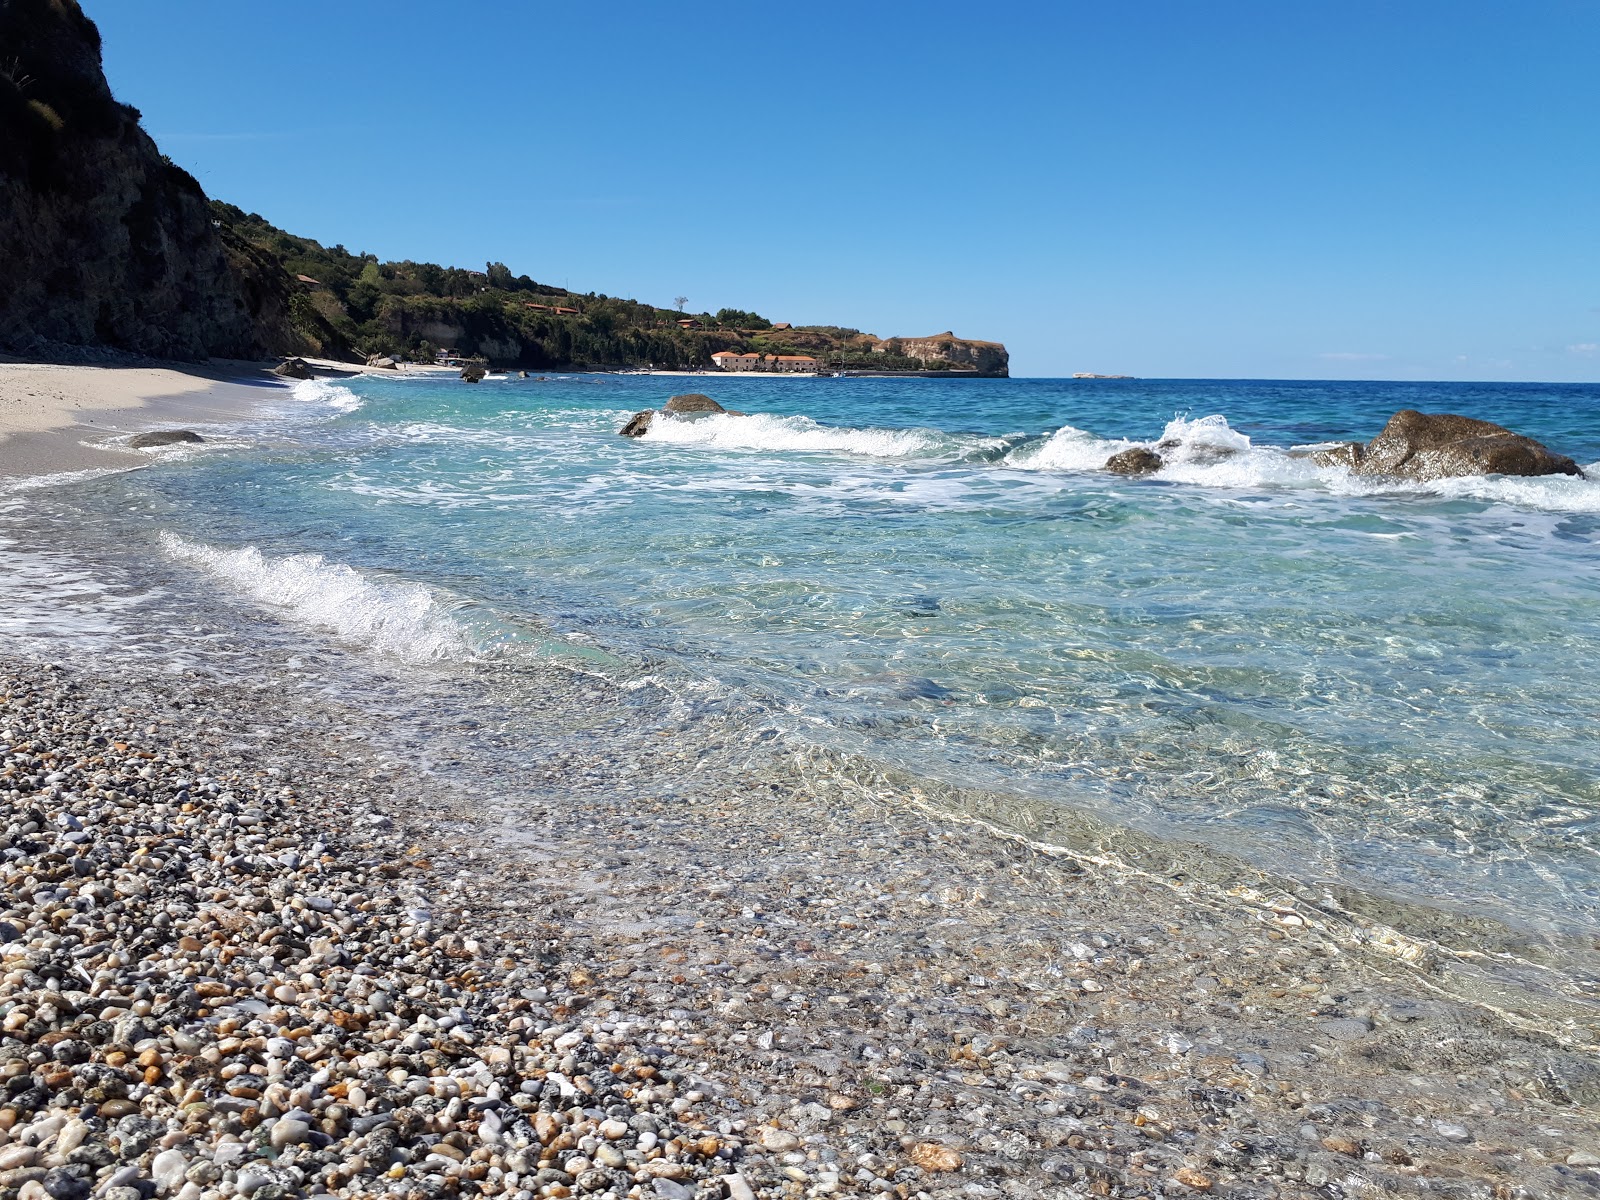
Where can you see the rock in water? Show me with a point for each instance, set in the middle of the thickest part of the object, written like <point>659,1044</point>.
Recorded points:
<point>162,437</point>
<point>1345,454</point>
<point>474,372</point>
<point>293,368</point>
<point>639,424</point>
<point>694,402</point>
<point>1134,461</point>
<point>1425,446</point>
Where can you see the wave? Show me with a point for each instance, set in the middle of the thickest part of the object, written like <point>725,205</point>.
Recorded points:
<point>405,620</point>
<point>763,431</point>
<point>320,391</point>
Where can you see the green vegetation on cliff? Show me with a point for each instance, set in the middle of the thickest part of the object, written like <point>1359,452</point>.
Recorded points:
<point>348,304</point>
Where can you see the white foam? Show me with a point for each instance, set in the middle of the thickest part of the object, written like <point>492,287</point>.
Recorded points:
<point>1067,449</point>
<point>405,620</point>
<point>320,391</point>
<point>762,431</point>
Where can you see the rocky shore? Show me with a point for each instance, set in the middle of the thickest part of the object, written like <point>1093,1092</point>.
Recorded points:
<point>247,955</point>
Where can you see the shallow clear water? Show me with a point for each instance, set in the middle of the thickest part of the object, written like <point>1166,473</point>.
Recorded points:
<point>1391,687</point>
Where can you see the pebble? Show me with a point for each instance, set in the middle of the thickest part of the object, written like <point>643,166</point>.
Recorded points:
<point>226,981</point>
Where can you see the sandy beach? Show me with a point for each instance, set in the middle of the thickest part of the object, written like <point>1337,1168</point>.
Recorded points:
<point>260,942</point>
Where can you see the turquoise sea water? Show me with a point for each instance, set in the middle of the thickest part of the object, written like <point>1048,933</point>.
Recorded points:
<point>1389,687</point>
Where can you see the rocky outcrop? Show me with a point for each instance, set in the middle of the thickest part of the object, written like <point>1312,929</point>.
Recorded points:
<point>1136,460</point>
<point>1341,454</point>
<point>639,424</point>
<point>294,368</point>
<point>693,402</point>
<point>986,358</point>
<point>103,241</point>
<point>382,362</point>
<point>163,437</point>
<point>1428,446</point>
<point>690,404</point>
<point>473,372</point>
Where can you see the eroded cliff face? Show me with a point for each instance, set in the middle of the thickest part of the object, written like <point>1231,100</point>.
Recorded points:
<point>103,241</point>
<point>987,358</point>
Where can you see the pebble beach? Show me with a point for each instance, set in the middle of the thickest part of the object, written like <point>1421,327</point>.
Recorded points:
<point>240,960</point>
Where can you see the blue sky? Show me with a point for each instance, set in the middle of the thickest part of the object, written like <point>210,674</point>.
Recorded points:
<point>1242,188</point>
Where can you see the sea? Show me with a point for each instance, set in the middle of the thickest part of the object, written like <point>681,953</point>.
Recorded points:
<point>1379,693</point>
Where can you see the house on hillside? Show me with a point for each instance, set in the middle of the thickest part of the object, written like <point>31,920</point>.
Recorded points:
<point>732,360</point>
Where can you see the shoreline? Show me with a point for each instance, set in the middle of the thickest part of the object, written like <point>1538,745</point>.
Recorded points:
<point>48,410</point>
<point>815,978</point>
<point>813,989</point>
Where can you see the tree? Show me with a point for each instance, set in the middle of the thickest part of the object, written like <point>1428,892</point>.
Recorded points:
<point>680,301</point>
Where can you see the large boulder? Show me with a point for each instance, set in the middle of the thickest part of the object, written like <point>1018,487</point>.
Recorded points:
<point>473,372</point>
<point>162,437</point>
<point>1136,460</point>
<point>694,402</point>
<point>382,361</point>
<point>1426,446</point>
<point>293,368</point>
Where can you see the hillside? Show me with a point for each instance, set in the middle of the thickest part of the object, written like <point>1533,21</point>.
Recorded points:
<point>105,242</point>
<point>354,305</point>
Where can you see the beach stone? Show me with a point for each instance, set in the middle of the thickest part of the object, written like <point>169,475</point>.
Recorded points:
<point>1136,460</point>
<point>1428,446</point>
<point>474,372</point>
<point>638,424</point>
<point>780,1140</point>
<point>935,1157</point>
<point>286,1132</point>
<point>163,437</point>
<point>382,361</point>
<point>65,1183</point>
<point>293,368</point>
<point>169,1169</point>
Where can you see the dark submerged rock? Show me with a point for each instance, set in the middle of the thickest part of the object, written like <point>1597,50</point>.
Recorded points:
<point>1136,460</point>
<point>162,437</point>
<point>1426,446</point>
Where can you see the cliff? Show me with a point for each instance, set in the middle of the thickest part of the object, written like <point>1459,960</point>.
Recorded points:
<point>943,350</point>
<point>103,241</point>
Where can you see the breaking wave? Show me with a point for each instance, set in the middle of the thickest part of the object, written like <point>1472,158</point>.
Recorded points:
<point>405,620</point>
<point>762,431</point>
<point>320,391</point>
<point>1203,451</point>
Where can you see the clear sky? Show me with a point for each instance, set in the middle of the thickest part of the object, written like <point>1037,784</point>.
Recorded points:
<point>1384,189</point>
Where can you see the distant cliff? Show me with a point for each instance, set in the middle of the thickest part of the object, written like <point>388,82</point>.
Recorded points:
<point>986,358</point>
<point>103,241</point>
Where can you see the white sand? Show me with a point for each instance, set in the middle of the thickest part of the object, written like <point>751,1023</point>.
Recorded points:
<point>51,416</point>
